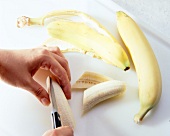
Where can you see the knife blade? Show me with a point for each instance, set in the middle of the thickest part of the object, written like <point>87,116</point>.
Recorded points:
<point>56,121</point>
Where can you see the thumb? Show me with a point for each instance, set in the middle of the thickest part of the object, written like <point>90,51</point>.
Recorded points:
<point>39,92</point>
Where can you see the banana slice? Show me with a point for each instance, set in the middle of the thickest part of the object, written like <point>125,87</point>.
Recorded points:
<point>101,92</point>
<point>89,79</point>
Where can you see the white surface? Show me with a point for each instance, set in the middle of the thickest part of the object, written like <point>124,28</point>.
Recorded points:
<point>22,115</point>
<point>156,13</point>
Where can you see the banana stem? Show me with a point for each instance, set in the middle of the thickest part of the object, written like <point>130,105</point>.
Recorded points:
<point>36,21</point>
<point>26,21</point>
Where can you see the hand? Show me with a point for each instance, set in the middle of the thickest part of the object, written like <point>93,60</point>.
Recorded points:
<point>61,131</point>
<point>17,67</point>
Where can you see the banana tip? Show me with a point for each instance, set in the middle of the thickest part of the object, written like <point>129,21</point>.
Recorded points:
<point>121,13</point>
<point>141,114</point>
<point>127,68</point>
<point>137,119</point>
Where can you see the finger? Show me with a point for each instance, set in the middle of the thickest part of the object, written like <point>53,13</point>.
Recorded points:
<point>39,92</point>
<point>60,74</point>
<point>60,131</point>
<point>56,50</point>
<point>53,49</point>
<point>64,63</point>
<point>57,54</point>
<point>65,130</point>
<point>62,77</point>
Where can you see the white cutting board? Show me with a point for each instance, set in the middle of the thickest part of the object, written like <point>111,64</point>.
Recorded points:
<point>22,115</point>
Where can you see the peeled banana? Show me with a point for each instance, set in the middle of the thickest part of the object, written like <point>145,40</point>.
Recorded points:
<point>89,79</point>
<point>145,62</point>
<point>66,115</point>
<point>101,92</point>
<point>87,34</point>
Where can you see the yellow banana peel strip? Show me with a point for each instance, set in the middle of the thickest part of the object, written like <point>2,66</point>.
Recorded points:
<point>89,35</point>
<point>66,47</point>
<point>80,35</point>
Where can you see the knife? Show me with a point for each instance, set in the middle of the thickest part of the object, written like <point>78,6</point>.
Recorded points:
<point>56,121</point>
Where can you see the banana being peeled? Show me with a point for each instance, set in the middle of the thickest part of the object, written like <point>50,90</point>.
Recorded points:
<point>66,115</point>
<point>145,62</point>
<point>86,34</point>
<point>89,79</point>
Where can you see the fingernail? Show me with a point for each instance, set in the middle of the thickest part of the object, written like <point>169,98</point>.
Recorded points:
<point>45,101</point>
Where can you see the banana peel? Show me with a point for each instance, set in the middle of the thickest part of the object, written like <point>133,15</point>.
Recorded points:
<point>87,34</point>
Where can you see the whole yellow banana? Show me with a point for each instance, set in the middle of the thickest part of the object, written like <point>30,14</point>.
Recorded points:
<point>146,65</point>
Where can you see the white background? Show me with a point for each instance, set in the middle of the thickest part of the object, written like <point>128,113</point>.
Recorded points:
<point>156,13</point>
<point>22,115</point>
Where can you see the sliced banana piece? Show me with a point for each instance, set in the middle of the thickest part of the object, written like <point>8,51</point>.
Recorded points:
<point>64,109</point>
<point>88,79</point>
<point>101,92</point>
